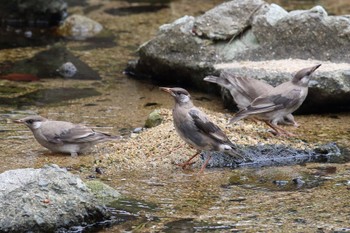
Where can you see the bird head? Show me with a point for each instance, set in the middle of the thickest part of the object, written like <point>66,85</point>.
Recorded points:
<point>180,95</point>
<point>33,122</point>
<point>302,77</point>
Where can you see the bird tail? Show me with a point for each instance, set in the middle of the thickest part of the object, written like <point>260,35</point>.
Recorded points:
<point>218,80</point>
<point>235,152</point>
<point>107,137</point>
<point>239,115</point>
<point>211,79</point>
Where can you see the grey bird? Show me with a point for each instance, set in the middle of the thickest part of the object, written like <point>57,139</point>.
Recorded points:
<point>280,101</point>
<point>62,136</point>
<point>195,128</point>
<point>244,90</point>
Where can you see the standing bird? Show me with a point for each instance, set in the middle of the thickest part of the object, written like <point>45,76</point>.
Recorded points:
<point>196,129</point>
<point>62,136</point>
<point>244,90</point>
<point>280,101</point>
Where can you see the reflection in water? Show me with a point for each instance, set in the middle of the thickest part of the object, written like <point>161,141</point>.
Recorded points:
<point>49,96</point>
<point>125,11</point>
<point>45,64</point>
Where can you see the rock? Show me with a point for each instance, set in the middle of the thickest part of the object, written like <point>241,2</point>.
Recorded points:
<point>190,48</point>
<point>104,193</point>
<point>32,13</point>
<point>137,130</point>
<point>43,200</point>
<point>67,70</point>
<point>79,27</point>
<point>154,119</point>
<point>276,155</point>
<point>227,20</point>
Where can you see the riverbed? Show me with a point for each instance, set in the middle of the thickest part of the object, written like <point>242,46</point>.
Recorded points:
<point>159,195</point>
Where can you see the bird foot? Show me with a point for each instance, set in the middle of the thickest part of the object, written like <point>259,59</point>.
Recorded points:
<point>74,154</point>
<point>283,134</point>
<point>185,164</point>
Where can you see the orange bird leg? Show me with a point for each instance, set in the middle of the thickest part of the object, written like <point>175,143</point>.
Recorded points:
<point>278,130</point>
<point>205,164</point>
<point>188,162</point>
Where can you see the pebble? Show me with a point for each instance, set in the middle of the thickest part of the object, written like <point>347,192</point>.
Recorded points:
<point>67,70</point>
<point>137,130</point>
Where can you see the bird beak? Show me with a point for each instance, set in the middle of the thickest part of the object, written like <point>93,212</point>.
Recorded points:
<point>314,68</point>
<point>18,121</point>
<point>166,89</point>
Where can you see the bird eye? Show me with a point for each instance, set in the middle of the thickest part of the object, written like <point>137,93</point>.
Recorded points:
<point>29,121</point>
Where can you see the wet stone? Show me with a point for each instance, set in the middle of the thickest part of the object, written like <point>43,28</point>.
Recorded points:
<point>67,70</point>
<point>276,155</point>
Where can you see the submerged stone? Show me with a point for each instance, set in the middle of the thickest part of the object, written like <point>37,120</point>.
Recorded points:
<point>276,178</point>
<point>103,192</point>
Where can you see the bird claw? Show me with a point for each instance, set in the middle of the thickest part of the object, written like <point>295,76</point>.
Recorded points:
<point>184,165</point>
<point>74,154</point>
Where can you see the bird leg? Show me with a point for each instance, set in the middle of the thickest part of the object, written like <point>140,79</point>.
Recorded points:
<point>74,154</point>
<point>188,162</point>
<point>205,164</point>
<point>278,130</point>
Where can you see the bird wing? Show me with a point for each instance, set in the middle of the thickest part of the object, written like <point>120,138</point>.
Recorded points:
<point>206,126</point>
<point>269,103</point>
<point>285,99</point>
<point>75,134</point>
<point>244,89</point>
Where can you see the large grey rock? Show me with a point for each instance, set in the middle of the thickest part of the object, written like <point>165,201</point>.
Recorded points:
<point>301,34</point>
<point>186,51</point>
<point>226,20</point>
<point>42,200</point>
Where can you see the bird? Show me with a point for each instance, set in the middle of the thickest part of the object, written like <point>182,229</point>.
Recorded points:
<point>63,136</point>
<point>280,101</point>
<point>195,128</point>
<point>244,90</point>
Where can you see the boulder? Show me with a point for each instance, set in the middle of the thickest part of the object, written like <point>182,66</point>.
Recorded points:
<point>43,200</point>
<point>190,48</point>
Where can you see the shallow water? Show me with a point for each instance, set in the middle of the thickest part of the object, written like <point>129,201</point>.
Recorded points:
<point>220,200</point>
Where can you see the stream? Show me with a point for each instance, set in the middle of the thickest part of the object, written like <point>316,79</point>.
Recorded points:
<point>269,199</point>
